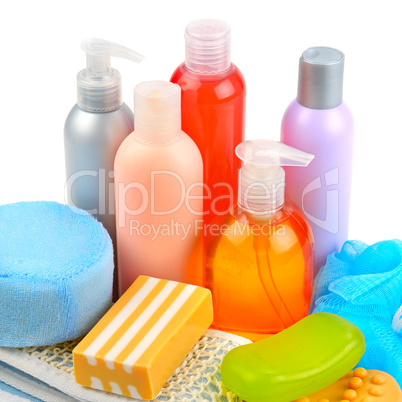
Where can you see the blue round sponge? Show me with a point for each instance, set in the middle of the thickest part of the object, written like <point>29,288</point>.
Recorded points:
<point>56,273</point>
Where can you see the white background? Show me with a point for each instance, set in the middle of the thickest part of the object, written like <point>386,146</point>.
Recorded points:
<point>41,55</point>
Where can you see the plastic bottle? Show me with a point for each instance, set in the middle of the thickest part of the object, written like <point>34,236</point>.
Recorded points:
<point>94,129</point>
<point>213,109</point>
<point>259,264</point>
<point>158,190</point>
<point>318,122</point>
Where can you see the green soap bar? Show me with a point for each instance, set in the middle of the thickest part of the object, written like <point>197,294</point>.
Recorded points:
<point>298,361</point>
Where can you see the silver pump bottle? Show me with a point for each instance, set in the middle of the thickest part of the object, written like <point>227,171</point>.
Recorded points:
<point>94,130</point>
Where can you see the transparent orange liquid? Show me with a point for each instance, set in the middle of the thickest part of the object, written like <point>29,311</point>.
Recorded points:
<point>260,273</point>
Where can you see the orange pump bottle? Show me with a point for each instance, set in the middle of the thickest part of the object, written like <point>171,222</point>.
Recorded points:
<point>213,110</point>
<point>259,259</point>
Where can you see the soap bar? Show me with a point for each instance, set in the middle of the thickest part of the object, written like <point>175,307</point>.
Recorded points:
<point>304,358</point>
<point>143,338</point>
<point>359,385</point>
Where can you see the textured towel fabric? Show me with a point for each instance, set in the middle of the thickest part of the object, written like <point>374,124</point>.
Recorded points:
<point>56,272</point>
<point>14,382</point>
<point>364,285</point>
<point>50,370</point>
<point>10,394</point>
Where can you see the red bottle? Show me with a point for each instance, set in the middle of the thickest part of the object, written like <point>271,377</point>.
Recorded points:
<point>213,110</point>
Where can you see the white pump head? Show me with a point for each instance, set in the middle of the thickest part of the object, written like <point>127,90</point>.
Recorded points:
<point>99,85</point>
<point>261,179</point>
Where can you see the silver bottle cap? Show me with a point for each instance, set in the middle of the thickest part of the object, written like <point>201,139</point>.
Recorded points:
<point>320,78</point>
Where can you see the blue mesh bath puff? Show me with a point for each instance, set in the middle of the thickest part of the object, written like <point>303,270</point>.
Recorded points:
<point>56,273</point>
<point>364,285</point>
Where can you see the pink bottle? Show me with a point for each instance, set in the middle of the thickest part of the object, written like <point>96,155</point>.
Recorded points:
<point>159,187</point>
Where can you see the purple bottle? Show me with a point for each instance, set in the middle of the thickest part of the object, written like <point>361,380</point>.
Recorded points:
<point>318,122</point>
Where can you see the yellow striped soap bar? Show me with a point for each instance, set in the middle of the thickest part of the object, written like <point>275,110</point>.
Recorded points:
<point>143,338</point>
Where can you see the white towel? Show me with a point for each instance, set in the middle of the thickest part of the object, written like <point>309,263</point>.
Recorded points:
<point>47,374</point>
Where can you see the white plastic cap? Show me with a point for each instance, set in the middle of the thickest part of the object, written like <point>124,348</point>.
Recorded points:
<point>99,85</point>
<point>261,179</point>
<point>207,46</point>
<point>157,113</point>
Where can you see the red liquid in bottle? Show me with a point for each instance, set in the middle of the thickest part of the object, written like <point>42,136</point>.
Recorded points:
<point>213,115</point>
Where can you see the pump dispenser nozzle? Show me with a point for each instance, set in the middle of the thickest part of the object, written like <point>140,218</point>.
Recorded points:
<point>261,179</point>
<point>99,85</point>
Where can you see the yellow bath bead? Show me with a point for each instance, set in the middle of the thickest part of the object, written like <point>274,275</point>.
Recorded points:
<point>350,395</point>
<point>378,380</point>
<point>376,390</point>
<point>355,383</point>
<point>360,372</point>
